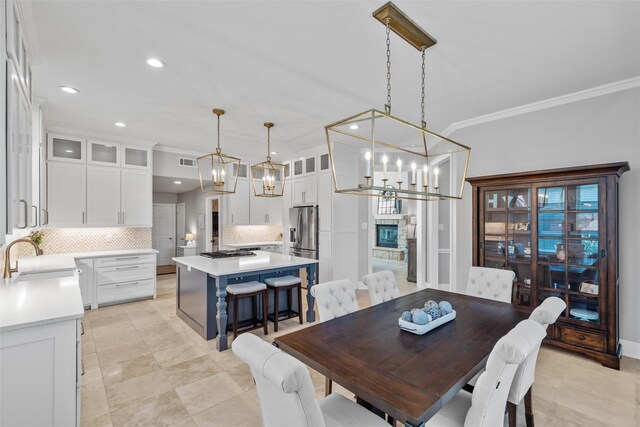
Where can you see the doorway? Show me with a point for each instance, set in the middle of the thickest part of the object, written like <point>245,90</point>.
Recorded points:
<point>164,235</point>
<point>213,219</point>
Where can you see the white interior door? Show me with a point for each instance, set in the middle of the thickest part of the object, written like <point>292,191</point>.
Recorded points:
<point>164,232</point>
<point>181,224</point>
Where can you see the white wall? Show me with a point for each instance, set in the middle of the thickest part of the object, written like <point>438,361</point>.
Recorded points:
<point>598,130</point>
<point>166,164</point>
<point>194,205</point>
<point>168,198</point>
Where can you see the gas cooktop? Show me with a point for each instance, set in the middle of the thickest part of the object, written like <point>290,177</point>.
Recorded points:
<point>227,254</point>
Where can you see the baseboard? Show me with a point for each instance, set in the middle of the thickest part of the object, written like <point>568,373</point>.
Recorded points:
<point>630,349</point>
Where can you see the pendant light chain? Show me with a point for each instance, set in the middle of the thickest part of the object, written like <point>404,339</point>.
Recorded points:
<point>387,107</point>
<point>218,149</point>
<point>422,120</point>
<point>269,144</point>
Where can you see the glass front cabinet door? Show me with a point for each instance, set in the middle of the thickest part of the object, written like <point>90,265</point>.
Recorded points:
<point>557,230</point>
<point>66,148</point>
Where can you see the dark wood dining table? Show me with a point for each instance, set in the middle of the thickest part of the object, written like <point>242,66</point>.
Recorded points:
<point>410,377</point>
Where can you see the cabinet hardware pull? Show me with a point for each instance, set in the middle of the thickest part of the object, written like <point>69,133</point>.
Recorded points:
<point>126,257</point>
<point>26,214</point>
<point>603,253</point>
<point>81,328</point>
<point>35,222</point>
<point>82,366</point>
<point>83,217</point>
<point>45,214</point>
<point>125,284</point>
<point>128,268</point>
<point>122,217</point>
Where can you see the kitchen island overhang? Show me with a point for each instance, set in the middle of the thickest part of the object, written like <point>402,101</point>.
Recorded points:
<point>201,287</point>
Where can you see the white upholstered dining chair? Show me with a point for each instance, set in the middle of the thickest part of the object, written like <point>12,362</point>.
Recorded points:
<point>485,406</point>
<point>490,283</point>
<point>286,393</point>
<point>334,299</point>
<point>382,286</point>
<point>545,314</point>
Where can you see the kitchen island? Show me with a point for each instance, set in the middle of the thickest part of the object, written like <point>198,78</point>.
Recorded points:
<point>201,287</point>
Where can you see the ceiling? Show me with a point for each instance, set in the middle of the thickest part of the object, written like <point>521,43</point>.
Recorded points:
<point>305,64</point>
<point>164,184</point>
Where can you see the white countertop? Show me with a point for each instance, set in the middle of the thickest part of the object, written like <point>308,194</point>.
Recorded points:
<point>31,302</point>
<point>248,245</point>
<point>42,263</point>
<point>225,266</point>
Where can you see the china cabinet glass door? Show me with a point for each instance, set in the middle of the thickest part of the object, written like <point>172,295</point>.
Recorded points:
<point>507,237</point>
<point>569,223</point>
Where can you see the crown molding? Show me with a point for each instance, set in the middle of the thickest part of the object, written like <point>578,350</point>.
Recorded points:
<point>544,104</point>
<point>90,135</point>
<point>165,149</point>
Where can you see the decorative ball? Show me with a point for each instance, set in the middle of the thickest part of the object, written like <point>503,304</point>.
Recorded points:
<point>430,304</point>
<point>445,307</point>
<point>421,318</point>
<point>434,313</point>
<point>413,310</point>
<point>407,316</point>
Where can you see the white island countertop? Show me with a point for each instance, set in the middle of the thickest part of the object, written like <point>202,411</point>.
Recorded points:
<point>32,302</point>
<point>226,266</point>
<point>250,245</point>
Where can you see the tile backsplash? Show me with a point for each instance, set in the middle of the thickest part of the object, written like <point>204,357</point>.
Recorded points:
<point>251,233</point>
<point>71,240</point>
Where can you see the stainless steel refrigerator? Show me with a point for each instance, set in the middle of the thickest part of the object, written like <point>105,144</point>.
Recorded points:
<point>303,232</point>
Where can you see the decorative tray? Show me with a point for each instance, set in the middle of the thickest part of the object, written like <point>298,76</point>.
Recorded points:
<point>423,329</point>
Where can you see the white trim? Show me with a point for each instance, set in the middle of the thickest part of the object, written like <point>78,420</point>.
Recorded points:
<point>173,150</point>
<point>90,135</point>
<point>544,104</point>
<point>444,251</point>
<point>630,349</point>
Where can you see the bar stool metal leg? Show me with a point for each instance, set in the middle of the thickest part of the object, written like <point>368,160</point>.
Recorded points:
<point>300,302</point>
<point>265,309</point>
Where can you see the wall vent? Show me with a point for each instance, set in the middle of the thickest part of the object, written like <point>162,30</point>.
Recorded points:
<point>190,163</point>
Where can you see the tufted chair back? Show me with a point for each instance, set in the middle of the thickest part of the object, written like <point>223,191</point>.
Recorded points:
<point>490,392</point>
<point>490,283</point>
<point>545,314</point>
<point>548,312</point>
<point>285,390</point>
<point>335,299</point>
<point>382,286</point>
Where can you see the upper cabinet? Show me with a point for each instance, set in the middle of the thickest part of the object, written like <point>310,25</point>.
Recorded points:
<point>17,50</point>
<point>66,148</point>
<point>304,166</point>
<point>136,157</point>
<point>103,153</point>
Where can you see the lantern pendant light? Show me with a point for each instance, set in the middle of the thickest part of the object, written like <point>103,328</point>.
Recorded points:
<point>268,177</point>
<point>380,144</point>
<point>218,171</point>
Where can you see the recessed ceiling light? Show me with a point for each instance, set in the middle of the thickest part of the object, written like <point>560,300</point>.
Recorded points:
<point>177,182</point>
<point>354,127</point>
<point>120,124</point>
<point>156,63</point>
<point>68,151</point>
<point>273,153</point>
<point>68,89</point>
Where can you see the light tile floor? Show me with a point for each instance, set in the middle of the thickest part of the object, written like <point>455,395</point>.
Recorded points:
<point>145,367</point>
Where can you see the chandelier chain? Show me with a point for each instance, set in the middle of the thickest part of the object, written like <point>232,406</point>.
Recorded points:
<point>388,105</point>
<point>218,132</point>
<point>269,143</point>
<point>422,120</point>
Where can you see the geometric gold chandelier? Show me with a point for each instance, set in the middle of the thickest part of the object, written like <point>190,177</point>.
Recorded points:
<point>396,158</point>
<point>268,177</point>
<point>218,171</point>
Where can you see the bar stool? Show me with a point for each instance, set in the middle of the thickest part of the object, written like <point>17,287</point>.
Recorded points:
<point>249,290</point>
<point>285,283</point>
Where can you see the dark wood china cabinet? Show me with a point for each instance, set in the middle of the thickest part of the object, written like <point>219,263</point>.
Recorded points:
<point>557,230</point>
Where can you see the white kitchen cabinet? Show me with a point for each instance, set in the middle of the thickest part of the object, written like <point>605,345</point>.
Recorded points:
<point>325,194</point>
<point>103,196</point>
<point>136,189</point>
<point>41,375</point>
<point>3,132</point>
<point>274,210</point>
<point>304,166</point>
<point>103,153</point>
<point>87,282</point>
<point>125,278</point>
<point>18,203</point>
<point>66,188</point>
<point>238,204</point>
<point>136,157</point>
<point>67,148</point>
<point>305,191</point>
<point>324,256</point>
<point>257,210</point>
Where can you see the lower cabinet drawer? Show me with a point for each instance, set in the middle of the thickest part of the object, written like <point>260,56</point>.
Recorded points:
<point>125,273</point>
<point>587,339</point>
<point>125,291</point>
<point>125,260</point>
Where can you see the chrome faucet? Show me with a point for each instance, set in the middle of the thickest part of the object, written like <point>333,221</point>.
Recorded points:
<point>7,258</point>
